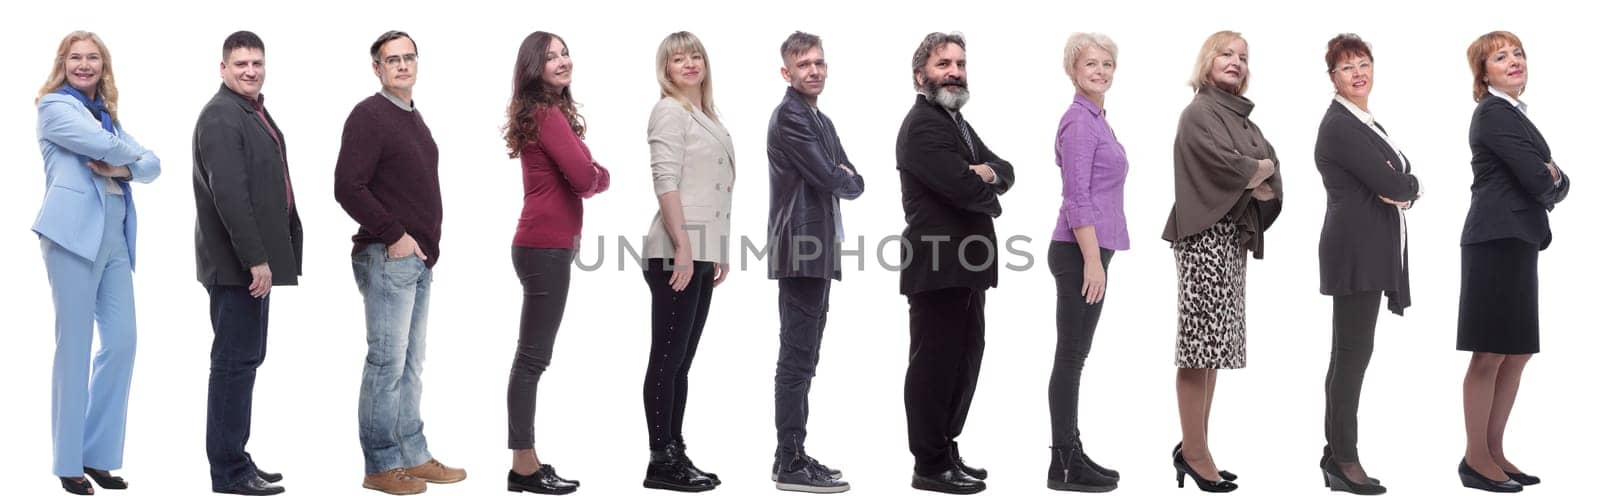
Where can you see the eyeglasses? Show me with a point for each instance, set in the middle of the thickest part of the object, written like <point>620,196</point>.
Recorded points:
<point>1347,68</point>
<point>396,60</point>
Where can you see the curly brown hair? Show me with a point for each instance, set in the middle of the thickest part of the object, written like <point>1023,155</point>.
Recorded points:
<point>530,95</point>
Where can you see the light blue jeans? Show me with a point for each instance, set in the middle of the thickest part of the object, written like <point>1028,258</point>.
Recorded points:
<point>395,292</point>
<point>89,402</point>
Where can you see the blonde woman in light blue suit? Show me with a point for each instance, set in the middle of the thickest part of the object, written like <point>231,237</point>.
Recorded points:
<point>87,230</point>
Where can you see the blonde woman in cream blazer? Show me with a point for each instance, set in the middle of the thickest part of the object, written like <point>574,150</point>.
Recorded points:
<point>686,250</point>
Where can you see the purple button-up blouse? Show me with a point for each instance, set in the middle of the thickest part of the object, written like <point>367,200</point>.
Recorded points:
<point>1093,170</point>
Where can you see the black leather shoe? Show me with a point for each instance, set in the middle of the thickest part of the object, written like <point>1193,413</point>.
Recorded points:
<point>253,486</point>
<point>952,481</point>
<point>542,481</point>
<point>1327,453</point>
<point>683,456</point>
<point>1471,479</point>
<point>1226,475</point>
<point>1524,479</point>
<point>975,472</point>
<point>1210,486</point>
<point>104,479</point>
<point>1070,471</point>
<point>552,470</point>
<point>1112,474</point>
<point>667,470</point>
<point>77,485</point>
<point>1334,479</point>
<point>272,477</point>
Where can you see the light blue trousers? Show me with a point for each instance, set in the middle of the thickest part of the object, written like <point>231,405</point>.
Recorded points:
<point>89,402</point>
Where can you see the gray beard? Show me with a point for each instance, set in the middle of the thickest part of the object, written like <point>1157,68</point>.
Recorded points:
<point>952,100</point>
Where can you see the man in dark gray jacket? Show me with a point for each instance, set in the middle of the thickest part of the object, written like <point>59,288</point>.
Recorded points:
<point>247,240</point>
<point>809,174</point>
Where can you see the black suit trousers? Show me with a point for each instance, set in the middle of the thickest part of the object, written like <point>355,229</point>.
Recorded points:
<point>946,353</point>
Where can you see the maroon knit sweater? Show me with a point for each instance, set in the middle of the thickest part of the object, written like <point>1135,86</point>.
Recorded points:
<point>557,174</point>
<point>387,177</point>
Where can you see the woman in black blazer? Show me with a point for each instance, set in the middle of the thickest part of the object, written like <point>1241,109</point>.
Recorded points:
<point>1363,247</point>
<point>1514,184</point>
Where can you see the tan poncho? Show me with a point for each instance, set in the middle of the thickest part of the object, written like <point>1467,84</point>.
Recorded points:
<point>1214,157</point>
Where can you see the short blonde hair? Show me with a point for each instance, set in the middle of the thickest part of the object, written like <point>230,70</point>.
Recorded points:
<point>685,42</point>
<point>1478,58</point>
<point>58,72</point>
<point>1078,42</point>
<point>1209,51</point>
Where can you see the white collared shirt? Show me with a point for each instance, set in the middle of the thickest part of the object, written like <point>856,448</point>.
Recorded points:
<point>1514,102</point>
<point>1366,118</point>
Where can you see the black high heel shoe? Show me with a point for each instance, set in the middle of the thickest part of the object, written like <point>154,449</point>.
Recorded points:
<point>77,485</point>
<point>1327,453</point>
<point>1221,486</point>
<point>104,479</point>
<point>1226,475</point>
<point>1334,479</point>
<point>1524,479</point>
<point>1471,479</point>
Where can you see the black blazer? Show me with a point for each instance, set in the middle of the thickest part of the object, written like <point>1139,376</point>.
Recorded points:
<point>242,215</point>
<point>1361,249</point>
<point>946,203</point>
<point>803,157</point>
<point>1512,191</point>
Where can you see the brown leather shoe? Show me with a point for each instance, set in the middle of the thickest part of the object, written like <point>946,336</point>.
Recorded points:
<point>395,481</point>
<point>437,473</point>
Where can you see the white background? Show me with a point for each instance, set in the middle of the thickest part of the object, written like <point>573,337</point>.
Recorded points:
<point>1268,418</point>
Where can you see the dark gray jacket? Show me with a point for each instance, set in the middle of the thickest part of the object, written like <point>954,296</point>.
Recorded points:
<point>803,158</point>
<point>1512,191</point>
<point>242,214</point>
<point>1361,248</point>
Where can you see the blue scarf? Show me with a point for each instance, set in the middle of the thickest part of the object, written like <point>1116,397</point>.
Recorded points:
<point>97,105</point>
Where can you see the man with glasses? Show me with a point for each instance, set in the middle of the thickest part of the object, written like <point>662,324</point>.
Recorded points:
<point>387,179</point>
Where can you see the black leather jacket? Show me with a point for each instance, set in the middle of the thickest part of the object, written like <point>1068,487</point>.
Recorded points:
<point>804,158</point>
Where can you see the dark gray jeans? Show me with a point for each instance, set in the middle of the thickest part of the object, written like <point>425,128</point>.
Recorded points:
<point>802,314</point>
<point>1354,319</point>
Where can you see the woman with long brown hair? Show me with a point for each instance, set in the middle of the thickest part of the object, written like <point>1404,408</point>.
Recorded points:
<point>545,131</point>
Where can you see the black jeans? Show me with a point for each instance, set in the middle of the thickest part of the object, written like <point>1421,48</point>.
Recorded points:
<point>946,353</point>
<point>676,319</point>
<point>1075,324</point>
<point>238,346</point>
<point>1355,317</point>
<point>802,315</point>
<point>545,274</point>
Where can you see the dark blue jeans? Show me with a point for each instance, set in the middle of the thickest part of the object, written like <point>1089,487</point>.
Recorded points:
<point>802,314</point>
<point>238,346</point>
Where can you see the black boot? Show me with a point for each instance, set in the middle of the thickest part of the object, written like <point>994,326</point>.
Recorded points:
<point>683,455</point>
<point>1070,471</point>
<point>1112,474</point>
<point>669,471</point>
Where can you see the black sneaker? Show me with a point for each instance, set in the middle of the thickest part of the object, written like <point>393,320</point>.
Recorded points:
<point>833,473</point>
<point>803,474</point>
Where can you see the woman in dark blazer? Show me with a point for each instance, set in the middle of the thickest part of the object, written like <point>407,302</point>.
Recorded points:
<point>1363,248</point>
<point>1514,184</point>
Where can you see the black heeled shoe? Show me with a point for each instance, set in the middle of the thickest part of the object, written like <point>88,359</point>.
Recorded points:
<point>1524,479</point>
<point>1471,479</point>
<point>77,485</point>
<point>1070,471</point>
<point>1327,453</point>
<point>104,479</point>
<point>542,481</point>
<point>1221,486</point>
<point>1226,475</point>
<point>1334,479</point>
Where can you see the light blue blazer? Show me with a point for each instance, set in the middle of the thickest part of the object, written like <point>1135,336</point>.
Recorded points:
<point>73,214</point>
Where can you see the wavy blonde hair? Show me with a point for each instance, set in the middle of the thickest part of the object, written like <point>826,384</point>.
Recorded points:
<point>1209,51</point>
<point>107,88</point>
<point>686,43</point>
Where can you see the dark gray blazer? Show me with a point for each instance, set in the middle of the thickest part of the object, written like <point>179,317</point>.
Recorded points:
<point>803,157</point>
<point>1512,192</point>
<point>1361,249</point>
<point>242,215</point>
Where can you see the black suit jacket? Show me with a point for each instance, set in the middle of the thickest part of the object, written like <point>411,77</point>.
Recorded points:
<point>1361,249</point>
<point>1512,191</point>
<point>803,158</point>
<point>242,215</point>
<point>946,202</point>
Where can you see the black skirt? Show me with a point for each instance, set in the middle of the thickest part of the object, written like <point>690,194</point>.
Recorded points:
<point>1499,297</point>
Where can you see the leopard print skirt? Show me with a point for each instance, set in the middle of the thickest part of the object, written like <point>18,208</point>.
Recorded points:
<point>1211,269</point>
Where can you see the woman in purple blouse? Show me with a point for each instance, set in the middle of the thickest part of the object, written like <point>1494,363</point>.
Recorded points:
<point>1090,228</point>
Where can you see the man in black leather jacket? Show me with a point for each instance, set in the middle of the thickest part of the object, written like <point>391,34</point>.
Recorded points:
<point>809,174</point>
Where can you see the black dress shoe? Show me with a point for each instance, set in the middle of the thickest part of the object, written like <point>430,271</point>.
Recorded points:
<point>1070,471</point>
<point>668,470</point>
<point>952,481</point>
<point>975,472</point>
<point>1327,453</point>
<point>273,477</point>
<point>542,481</point>
<point>1471,479</point>
<point>77,485</point>
<point>1226,475</point>
<point>1524,479</point>
<point>104,479</point>
<point>1334,479</point>
<point>552,470</point>
<point>1210,486</point>
<point>253,486</point>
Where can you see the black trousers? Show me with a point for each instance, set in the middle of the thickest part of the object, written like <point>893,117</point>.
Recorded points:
<point>1075,324</point>
<point>238,346</point>
<point>946,354</point>
<point>802,314</point>
<point>1355,317</point>
<point>546,274</point>
<point>676,320</point>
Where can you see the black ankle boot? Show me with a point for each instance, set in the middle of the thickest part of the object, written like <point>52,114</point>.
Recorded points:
<point>681,452</point>
<point>667,470</point>
<point>1112,474</point>
<point>1070,471</point>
